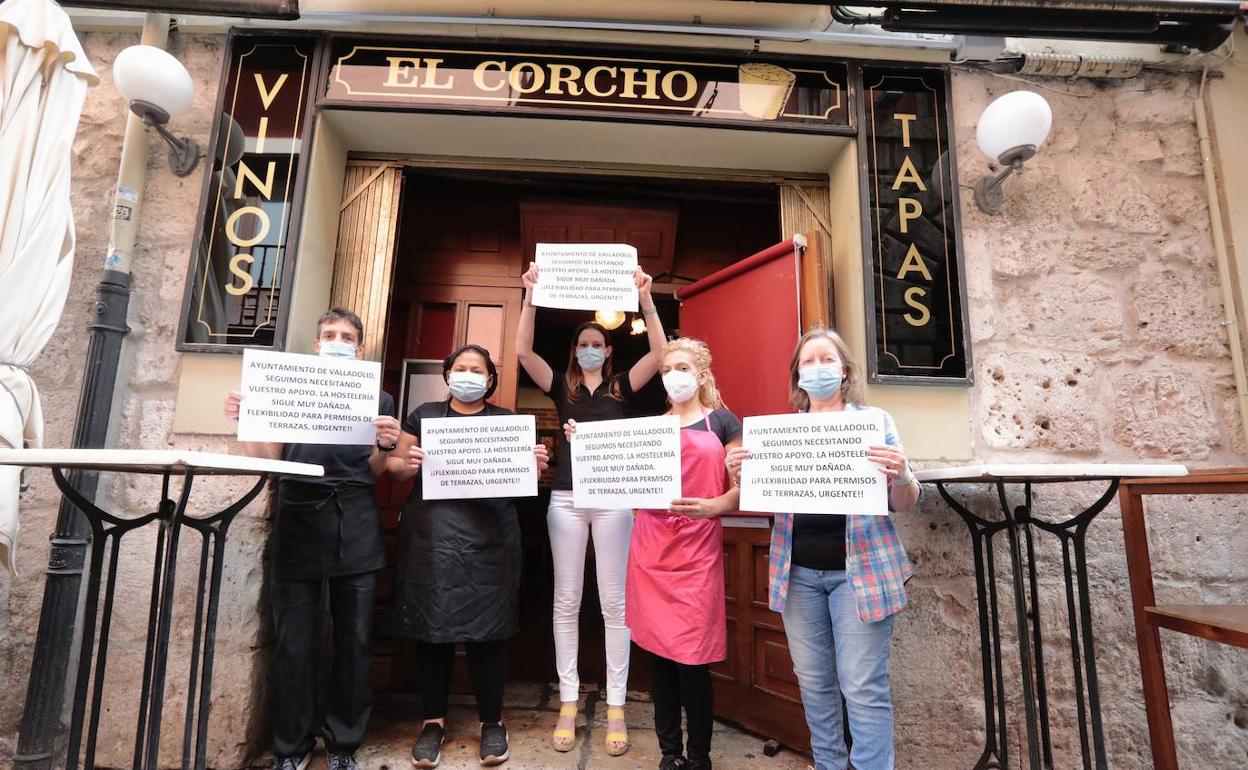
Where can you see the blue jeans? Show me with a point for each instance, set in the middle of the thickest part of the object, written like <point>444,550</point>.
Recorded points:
<point>834,654</point>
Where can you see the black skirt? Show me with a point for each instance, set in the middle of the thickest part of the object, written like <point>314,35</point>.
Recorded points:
<point>325,531</point>
<point>457,574</point>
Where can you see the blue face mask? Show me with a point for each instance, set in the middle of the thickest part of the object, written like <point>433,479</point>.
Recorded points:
<point>336,349</point>
<point>820,381</point>
<point>466,386</point>
<point>591,359</point>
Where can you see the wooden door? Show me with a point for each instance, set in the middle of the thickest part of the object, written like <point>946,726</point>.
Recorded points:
<point>651,229</point>
<point>751,314</point>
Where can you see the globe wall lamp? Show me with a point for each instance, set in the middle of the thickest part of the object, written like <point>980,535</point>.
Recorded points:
<point>1010,131</point>
<point>157,88</point>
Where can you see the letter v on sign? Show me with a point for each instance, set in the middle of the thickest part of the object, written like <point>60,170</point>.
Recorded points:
<point>267,96</point>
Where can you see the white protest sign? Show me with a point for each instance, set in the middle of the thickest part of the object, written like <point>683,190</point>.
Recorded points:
<point>290,398</point>
<point>813,463</point>
<point>626,463</point>
<point>586,276</point>
<point>478,457</point>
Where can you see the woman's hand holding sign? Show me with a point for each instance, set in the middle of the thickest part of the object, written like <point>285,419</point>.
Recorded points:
<point>733,460</point>
<point>891,459</point>
<point>543,457</point>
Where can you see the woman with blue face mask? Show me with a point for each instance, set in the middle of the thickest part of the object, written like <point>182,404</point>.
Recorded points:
<point>837,581</point>
<point>588,390</point>
<point>457,571</point>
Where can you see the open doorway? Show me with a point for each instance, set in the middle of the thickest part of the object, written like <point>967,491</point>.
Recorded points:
<point>464,238</point>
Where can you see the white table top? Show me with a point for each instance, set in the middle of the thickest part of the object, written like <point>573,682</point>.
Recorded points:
<point>1046,472</point>
<point>155,461</point>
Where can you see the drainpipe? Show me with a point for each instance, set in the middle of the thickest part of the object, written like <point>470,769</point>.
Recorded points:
<point>58,619</point>
<point>1229,304</point>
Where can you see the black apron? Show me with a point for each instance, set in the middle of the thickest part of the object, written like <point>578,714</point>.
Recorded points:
<point>457,572</point>
<point>325,531</point>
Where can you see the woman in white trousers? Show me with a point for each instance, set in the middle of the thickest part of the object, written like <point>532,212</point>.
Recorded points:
<point>586,391</point>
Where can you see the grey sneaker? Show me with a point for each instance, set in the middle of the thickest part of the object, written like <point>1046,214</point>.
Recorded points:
<point>292,763</point>
<point>342,761</point>
<point>493,744</point>
<point>427,752</point>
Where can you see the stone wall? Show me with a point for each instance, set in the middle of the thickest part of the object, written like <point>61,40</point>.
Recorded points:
<point>1096,324</point>
<point>1095,315</point>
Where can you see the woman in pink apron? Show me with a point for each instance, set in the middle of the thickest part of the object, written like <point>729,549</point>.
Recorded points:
<point>674,598</point>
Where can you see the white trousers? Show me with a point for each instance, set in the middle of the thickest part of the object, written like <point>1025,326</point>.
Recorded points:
<point>569,537</point>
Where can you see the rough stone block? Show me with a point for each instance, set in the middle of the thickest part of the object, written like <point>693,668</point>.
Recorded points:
<point>1163,416</point>
<point>1179,312</point>
<point>1038,401</point>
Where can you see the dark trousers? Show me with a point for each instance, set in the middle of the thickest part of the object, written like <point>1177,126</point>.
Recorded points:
<point>487,664</point>
<point>296,673</point>
<point>673,686</point>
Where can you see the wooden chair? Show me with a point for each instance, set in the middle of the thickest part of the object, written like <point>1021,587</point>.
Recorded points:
<point>1225,623</point>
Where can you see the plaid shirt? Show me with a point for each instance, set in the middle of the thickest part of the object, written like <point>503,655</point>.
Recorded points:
<point>874,557</point>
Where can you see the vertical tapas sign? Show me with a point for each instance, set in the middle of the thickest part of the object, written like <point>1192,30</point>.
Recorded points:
<point>234,293</point>
<point>916,297</point>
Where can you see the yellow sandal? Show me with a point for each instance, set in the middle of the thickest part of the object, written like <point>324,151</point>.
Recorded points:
<point>563,738</point>
<point>619,739</point>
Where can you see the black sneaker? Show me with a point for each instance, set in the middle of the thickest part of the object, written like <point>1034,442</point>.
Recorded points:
<point>342,761</point>
<point>292,763</point>
<point>427,752</point>
<point>493,744</point>
<point>672,762</point>
<point>698,763</point>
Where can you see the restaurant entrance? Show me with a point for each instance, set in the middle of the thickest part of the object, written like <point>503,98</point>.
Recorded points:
<point>462,241</point>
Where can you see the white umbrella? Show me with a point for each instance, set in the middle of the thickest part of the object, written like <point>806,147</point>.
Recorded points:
<point>44,76</point>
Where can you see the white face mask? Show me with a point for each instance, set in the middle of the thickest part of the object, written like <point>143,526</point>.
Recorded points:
<point>680,386</point>
<point>336,349</point>
<point>466,386</point>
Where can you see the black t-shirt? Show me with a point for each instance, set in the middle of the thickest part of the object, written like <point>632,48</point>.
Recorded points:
<point>588,407</point>
<point>343,463</point>
<point>724,424</point>
<point>819,541</point>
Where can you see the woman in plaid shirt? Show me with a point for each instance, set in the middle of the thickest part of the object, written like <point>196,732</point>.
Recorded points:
<point>839,580</point>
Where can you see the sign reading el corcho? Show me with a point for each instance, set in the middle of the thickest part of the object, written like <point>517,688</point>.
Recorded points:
<point>916,301</point>
<point>775,94</point>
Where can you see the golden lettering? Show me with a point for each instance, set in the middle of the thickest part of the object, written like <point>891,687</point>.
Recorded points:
<point>905,119</point>
<point>910,208</point>
<point>651,80</point>
<point>669,89</point>
<point>516,78</point>
<point>236,268</point>
<point>913,262</point>
<point>908,173</point>
<point>591,80</point>
<point>431,75</point>
<point>564,74</point>
<point>265,188</point>
<point>231,227</point>
<point>402,67</point>
<point>262,134</point>
<point>267,96</point>
<point>924,315</point>
<point>478,75</point>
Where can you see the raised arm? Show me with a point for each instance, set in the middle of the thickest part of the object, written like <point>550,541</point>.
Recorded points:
<point>534,364</point>
<point>267,450</point>
<point>648,365</point>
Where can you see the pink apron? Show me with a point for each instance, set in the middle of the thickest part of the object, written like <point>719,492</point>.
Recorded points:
<point>674,598</point>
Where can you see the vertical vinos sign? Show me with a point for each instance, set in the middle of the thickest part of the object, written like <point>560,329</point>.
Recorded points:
<point>234,292</point>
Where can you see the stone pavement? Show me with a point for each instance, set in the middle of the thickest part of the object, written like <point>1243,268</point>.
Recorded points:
<point>530,713</point>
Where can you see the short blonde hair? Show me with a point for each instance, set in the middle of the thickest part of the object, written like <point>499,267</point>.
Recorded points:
<point>853,389</point>
<point>708,391</point>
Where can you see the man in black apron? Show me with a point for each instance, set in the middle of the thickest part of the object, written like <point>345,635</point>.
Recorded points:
<point>327,532</point>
